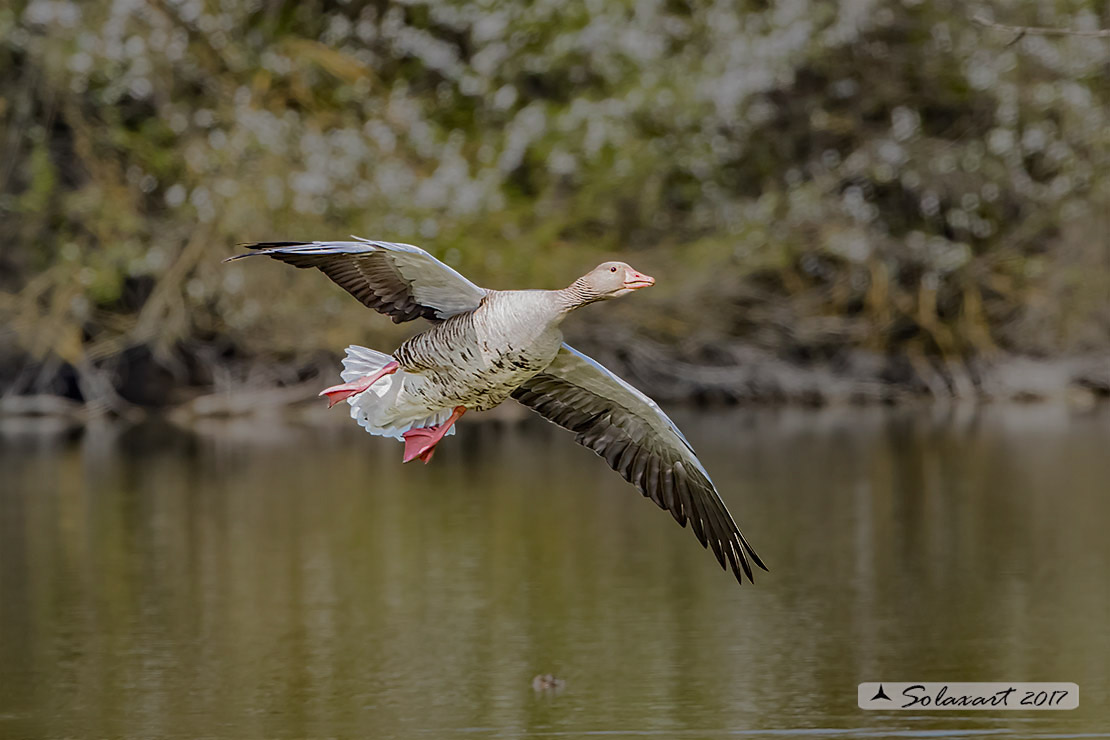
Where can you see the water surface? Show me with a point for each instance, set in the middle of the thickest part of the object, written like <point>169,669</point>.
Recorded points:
<point>268,580</point>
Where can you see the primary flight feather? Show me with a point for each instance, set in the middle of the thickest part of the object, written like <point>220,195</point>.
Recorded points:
<point>485,346</point>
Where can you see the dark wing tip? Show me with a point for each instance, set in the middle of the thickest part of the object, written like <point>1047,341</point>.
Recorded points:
<point>713,526</point>
<point>747,568</point>
<point>271,245</point>
<point>743,553</point>
<point>260,248</point>
<point>755,558</point>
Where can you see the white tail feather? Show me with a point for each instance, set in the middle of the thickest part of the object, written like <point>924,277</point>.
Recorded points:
<point>361,361</point>
<point>376,409</point>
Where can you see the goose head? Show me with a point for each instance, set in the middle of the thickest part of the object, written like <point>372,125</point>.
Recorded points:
<point>614,279</point>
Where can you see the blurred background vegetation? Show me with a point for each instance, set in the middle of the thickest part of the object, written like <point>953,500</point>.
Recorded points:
<point>863,199</point>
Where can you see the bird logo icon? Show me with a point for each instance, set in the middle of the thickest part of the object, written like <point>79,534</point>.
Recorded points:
<point>880,694</point>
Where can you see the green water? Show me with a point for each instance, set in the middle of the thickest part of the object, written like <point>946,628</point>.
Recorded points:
<point>268,580</point>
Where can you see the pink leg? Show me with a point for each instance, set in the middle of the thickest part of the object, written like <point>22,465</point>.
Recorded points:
<point>421,443</point>
<point>342,392</point>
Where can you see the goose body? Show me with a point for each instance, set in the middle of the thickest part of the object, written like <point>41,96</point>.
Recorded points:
<point>477,359</point>
<point>485,346</point>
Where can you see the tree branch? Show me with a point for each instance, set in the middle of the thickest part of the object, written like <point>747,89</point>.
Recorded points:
<point>1039,30</point>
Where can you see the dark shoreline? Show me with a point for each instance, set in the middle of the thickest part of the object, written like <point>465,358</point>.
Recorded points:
<point>753,378</point>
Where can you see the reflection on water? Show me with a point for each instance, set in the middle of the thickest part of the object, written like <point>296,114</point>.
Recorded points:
<point>255,580</point>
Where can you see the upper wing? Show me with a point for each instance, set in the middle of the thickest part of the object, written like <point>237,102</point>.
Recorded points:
<point>641,443</point>
<point>399,280</point>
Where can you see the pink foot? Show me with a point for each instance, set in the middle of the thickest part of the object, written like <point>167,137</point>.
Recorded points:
<point>342,392</point>
<point>421,443</point>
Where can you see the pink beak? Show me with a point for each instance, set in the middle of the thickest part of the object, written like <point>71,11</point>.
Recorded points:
<point>636,280</point>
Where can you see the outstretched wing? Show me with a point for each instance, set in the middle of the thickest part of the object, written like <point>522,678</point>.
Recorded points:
<point>640,442</point>
<point>399,280</point>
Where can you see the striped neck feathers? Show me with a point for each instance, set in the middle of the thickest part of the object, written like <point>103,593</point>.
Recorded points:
<point>579,293</point>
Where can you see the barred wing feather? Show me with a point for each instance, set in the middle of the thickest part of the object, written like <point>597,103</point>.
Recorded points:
<point>399,280</point>
<point>640,442</point>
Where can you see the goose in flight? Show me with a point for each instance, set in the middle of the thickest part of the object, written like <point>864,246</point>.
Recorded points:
<point>485,346</point>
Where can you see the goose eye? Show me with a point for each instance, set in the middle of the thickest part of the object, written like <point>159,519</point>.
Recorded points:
<point>612,269</point>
